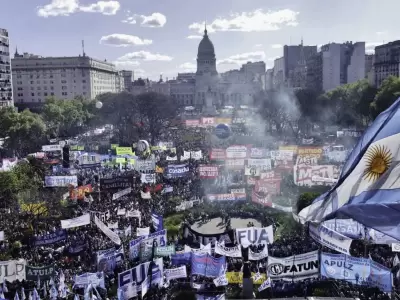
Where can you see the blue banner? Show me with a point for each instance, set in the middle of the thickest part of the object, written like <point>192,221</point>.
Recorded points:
<point>107,260</point>
<point>160,238</point>
<point>174,171</point>
<point>139,273</point>
<point>207,265</point>
<point>51,238</point>
<point>134,248</point>
<point>76,247</point>
<point>210,297</point>
<point>181,259</point>
<point>357,270</point>
<point>158,221</point>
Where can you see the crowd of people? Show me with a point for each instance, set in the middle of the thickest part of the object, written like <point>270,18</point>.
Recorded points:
<point>77,252</point>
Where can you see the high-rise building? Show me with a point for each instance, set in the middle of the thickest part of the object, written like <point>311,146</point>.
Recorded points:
<point>35,78</point>
<point>342,63</point>
<point>6,92</point>
<point>279,77</point>
<point>296,55</point>
<point>387,60</point>
<point>127,79</point>
<point>253,70</point>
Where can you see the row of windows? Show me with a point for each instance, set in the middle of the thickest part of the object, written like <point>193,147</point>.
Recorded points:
<point>51,88</point>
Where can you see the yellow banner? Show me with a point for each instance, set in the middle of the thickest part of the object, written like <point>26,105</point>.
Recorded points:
<point>314,151</point>
<point>77,148</point>
<point>159,169</point>
<point>124,151</point>
<point>290,148</point>
<point>34,208</point>
<point>237,278</point>
<point>223,121</point>
<point>114,146</point>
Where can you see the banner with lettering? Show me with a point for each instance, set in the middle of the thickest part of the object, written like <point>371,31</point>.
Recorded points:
<point>96,279</point>
<point>221,249</point>
<point>331,239</point>
<point>237,151</point>
<point>76,222</point>
<point>120,182</point>
<point>254,236</point>
<point>124,151</point>
<point>207,265</point>
<point>294,268</point>
<point>226,197</point>
<point>44,273</point>
<point>217,154</point>
<point>60,181</point>
<point>79,192</point>
<point>237,278</point>
<point>175,273</point>
<point>50,238</point>
<point>315,151</point>
<point>139,273</point>
<point>204,239</point>
<point>357,270</point>
<point>208,171</point>
<point>12,270</point>
<point>174,171</point>
<point>303,175</point>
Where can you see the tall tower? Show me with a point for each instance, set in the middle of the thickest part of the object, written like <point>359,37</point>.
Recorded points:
<point>206,61</point>
<point>6,94</point>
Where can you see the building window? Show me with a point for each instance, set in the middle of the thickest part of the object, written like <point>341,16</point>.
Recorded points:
<point>64,88</point>
<point>32,82</point>
<point>64,93</point>
<point>32,94</point>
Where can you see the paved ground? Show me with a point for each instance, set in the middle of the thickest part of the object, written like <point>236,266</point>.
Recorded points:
<point>215,226</point>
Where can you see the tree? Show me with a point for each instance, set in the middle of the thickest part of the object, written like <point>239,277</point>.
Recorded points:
<point>387,94</point>
<point>66,118</point>
<point>305,199</point>
<point>154,115</point>
<point>24,132</point>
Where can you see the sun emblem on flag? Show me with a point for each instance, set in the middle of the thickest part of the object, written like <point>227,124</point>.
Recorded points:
<point>378,160</point>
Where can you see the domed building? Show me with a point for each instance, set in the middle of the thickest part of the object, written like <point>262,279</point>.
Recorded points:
<point>206,88</point>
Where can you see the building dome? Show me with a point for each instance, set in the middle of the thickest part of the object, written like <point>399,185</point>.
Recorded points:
<point>206,48</point>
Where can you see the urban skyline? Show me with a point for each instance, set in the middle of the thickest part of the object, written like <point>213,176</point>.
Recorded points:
<point>154,38</point>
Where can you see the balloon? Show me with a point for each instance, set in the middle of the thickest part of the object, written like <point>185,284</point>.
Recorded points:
<point>142,146</point>
<point>99,104</point>
<point>222,131</point>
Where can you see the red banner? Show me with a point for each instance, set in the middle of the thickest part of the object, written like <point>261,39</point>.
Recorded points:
<point>260,198</point>
<point>208,121</point>
<point>271,176</point>
<point>268,187</point>
<point>192,123</point>
<point>79,192</point>
<point>217,154</point>
<point>208,171</point>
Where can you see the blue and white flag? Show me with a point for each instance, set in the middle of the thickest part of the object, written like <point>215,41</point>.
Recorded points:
<point>158,222</point>
<point>368,188</point>
<point>16,297</point>
<point>4,287</point>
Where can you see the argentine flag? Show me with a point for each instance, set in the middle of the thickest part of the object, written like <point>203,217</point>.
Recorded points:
<point>368,189</point>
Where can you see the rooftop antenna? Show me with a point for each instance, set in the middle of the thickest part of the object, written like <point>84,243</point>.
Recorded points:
<point>83,48</point>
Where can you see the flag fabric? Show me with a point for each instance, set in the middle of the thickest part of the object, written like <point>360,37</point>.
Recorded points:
<point>35,295</point>
<point>38,282</point>
<point>16,297</point>
<point>4,287</point>
<point>23,297</point>
<point>368,189</point>
<point>396,261</point>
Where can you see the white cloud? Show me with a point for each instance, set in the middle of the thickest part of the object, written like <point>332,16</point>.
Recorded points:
<point>381,33</point>
<point>243,58</point>
<point>188,67</point>
<point>276,46</point>
<point>257,21</point>
<point>195,37</point>
<point>126,65</point>
<point>155,20</point>
<point>104,7</point>
<point>370,47</point>
<point>124,40</point>
<point>145,56</point>
<point>68,7</point>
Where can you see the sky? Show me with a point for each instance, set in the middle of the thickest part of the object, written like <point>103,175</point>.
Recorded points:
<point>153,37</point>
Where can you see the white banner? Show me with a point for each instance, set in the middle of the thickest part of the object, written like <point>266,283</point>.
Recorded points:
<point>129,290</point>
<point>252,171</point>
<point>307,160</point>
<point>143,231</point>
<point>119,194</point>
<point>303,174</point>
<point>258,256</point>
<point>228,251</point>
<point>148,178</point>
<point>133,214</point>
<point>254,236</point>
<point>114,237</point>
<point>295,268</point>
<point>144,195</point>
<point>331,239</point>
<point>221,280</point>
<point>236,152</point>
<point>51,148</point>
<point>12,270</point>
<point>264,164</point>
<point>175,273</point>
<point>202,249</point>
<point>1,235</point>
<point>238,191</point>
<point>395,247</point>
<point>76,222</point>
